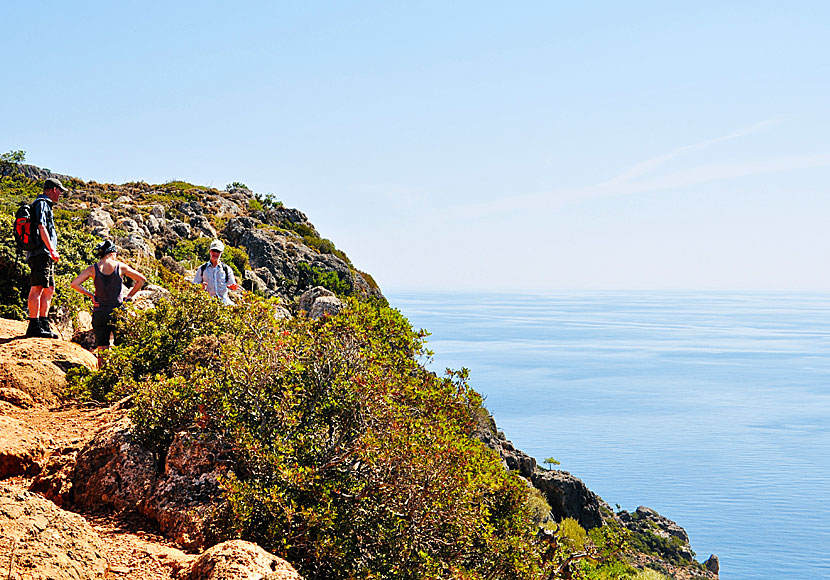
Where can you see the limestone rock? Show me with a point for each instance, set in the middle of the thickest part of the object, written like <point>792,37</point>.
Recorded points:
<point>40,541</point>
<point>201,224</point>
<point>149,296</point>
<point>180,228</point>
<point>21,448</point>
<point>239,560</point>
<point>325,305</point>
<point>713,564</point>
<point>129,225</point>
<point>569,497</point>
<point>311,295</point>
<point>157,211</point>
<point>223,208</point>
<point>124,200</point>
<point>99,218</point>
<point>135,241</point>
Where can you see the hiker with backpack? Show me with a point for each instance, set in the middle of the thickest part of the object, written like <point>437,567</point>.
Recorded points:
<point>35,232</point>
<point>215,276</point>
<point>107,275</point>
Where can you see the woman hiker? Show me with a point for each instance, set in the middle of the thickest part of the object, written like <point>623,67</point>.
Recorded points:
<point>107,275</point>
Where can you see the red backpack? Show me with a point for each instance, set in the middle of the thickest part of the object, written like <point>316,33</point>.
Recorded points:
<point>24,236</point>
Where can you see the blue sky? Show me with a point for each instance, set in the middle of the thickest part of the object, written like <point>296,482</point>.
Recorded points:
<point>461,145</point>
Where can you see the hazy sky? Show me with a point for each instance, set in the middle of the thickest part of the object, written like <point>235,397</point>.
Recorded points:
<point>461,145</point>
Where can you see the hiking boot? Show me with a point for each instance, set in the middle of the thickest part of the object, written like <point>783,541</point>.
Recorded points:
<point>33,331</point>
<point>45,330</point>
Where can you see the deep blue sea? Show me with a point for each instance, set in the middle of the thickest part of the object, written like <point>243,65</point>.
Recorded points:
<point>712,408</point>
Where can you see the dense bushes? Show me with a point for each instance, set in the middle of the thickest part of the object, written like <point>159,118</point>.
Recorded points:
<point>354,461</point>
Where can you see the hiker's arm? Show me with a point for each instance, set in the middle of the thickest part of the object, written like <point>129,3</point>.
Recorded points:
<point>77,283</point>
<point>135,275</point>
<point>232,280</point>
<point>44,235</point>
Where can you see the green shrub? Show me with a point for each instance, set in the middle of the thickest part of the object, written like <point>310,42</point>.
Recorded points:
<point>353,460</point>
<point>310,276</point>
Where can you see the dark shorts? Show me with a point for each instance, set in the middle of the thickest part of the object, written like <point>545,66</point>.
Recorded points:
<point>43,271</point>
<point>102,328</point>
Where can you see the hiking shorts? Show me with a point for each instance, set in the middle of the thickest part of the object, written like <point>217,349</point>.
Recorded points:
<point>43,271</point>
<point>102,328</point>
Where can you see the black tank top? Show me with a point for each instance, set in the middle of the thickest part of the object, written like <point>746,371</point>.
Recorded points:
<point>107,290</point>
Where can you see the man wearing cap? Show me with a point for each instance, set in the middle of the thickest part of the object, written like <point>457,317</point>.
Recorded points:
<point>215,276</point>
<point>42,260</point>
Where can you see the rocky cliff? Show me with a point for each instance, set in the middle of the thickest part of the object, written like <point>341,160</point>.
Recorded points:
<point>143,512</point>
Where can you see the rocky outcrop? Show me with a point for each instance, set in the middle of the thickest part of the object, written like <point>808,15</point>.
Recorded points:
<point>661,535</point>
<point>239,560</point>
<point>114,470</point>
<point>292,266</point>
<point>41,541</point>
<point>569,497</point>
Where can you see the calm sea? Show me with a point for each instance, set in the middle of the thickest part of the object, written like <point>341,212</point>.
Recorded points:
<point>713,409</point>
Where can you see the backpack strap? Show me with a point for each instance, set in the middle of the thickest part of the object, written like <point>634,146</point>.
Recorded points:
<point>202,269</point>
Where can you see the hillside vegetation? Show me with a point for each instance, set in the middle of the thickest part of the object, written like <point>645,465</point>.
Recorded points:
<point>346,456</point>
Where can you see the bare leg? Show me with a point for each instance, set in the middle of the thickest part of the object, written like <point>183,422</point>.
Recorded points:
<point>35,293</point>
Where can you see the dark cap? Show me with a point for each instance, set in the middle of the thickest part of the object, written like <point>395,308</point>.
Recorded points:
<point>104,248</point>
<point>53,183</point>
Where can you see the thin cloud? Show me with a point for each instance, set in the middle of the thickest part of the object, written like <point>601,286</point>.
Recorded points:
<point>636,179</point>
<point>646,167</point>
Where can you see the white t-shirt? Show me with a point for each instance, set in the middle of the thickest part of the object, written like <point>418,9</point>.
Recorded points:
<point>216,280</point>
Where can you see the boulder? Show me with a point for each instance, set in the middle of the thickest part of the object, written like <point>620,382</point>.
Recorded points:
<point>99,218</point>
<point>239,560</point>
<point>21,448</point>
<point>41,541</point>
<point>135,241</point>
<point>201,224</point>
<point>129,225</point>
<point>713,564</point>
<point>192,209</point>
<point>157,211</point>
<point>37,366</point>
<point>223,208</point>
<point>149,296</point>
<point>325,306</point>
<point>180,228</point>
<point>154,225</point>
<point>124,200</point>
<point>308,297</point>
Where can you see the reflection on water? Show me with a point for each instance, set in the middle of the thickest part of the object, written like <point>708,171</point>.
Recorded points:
<point>713,409</point>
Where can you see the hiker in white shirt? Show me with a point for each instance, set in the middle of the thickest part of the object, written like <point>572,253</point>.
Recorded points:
<point>216,277</point>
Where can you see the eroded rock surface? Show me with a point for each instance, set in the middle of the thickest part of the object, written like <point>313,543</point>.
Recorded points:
<point>41,541</point>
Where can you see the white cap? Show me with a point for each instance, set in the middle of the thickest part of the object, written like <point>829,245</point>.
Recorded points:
<point>217,245</point>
